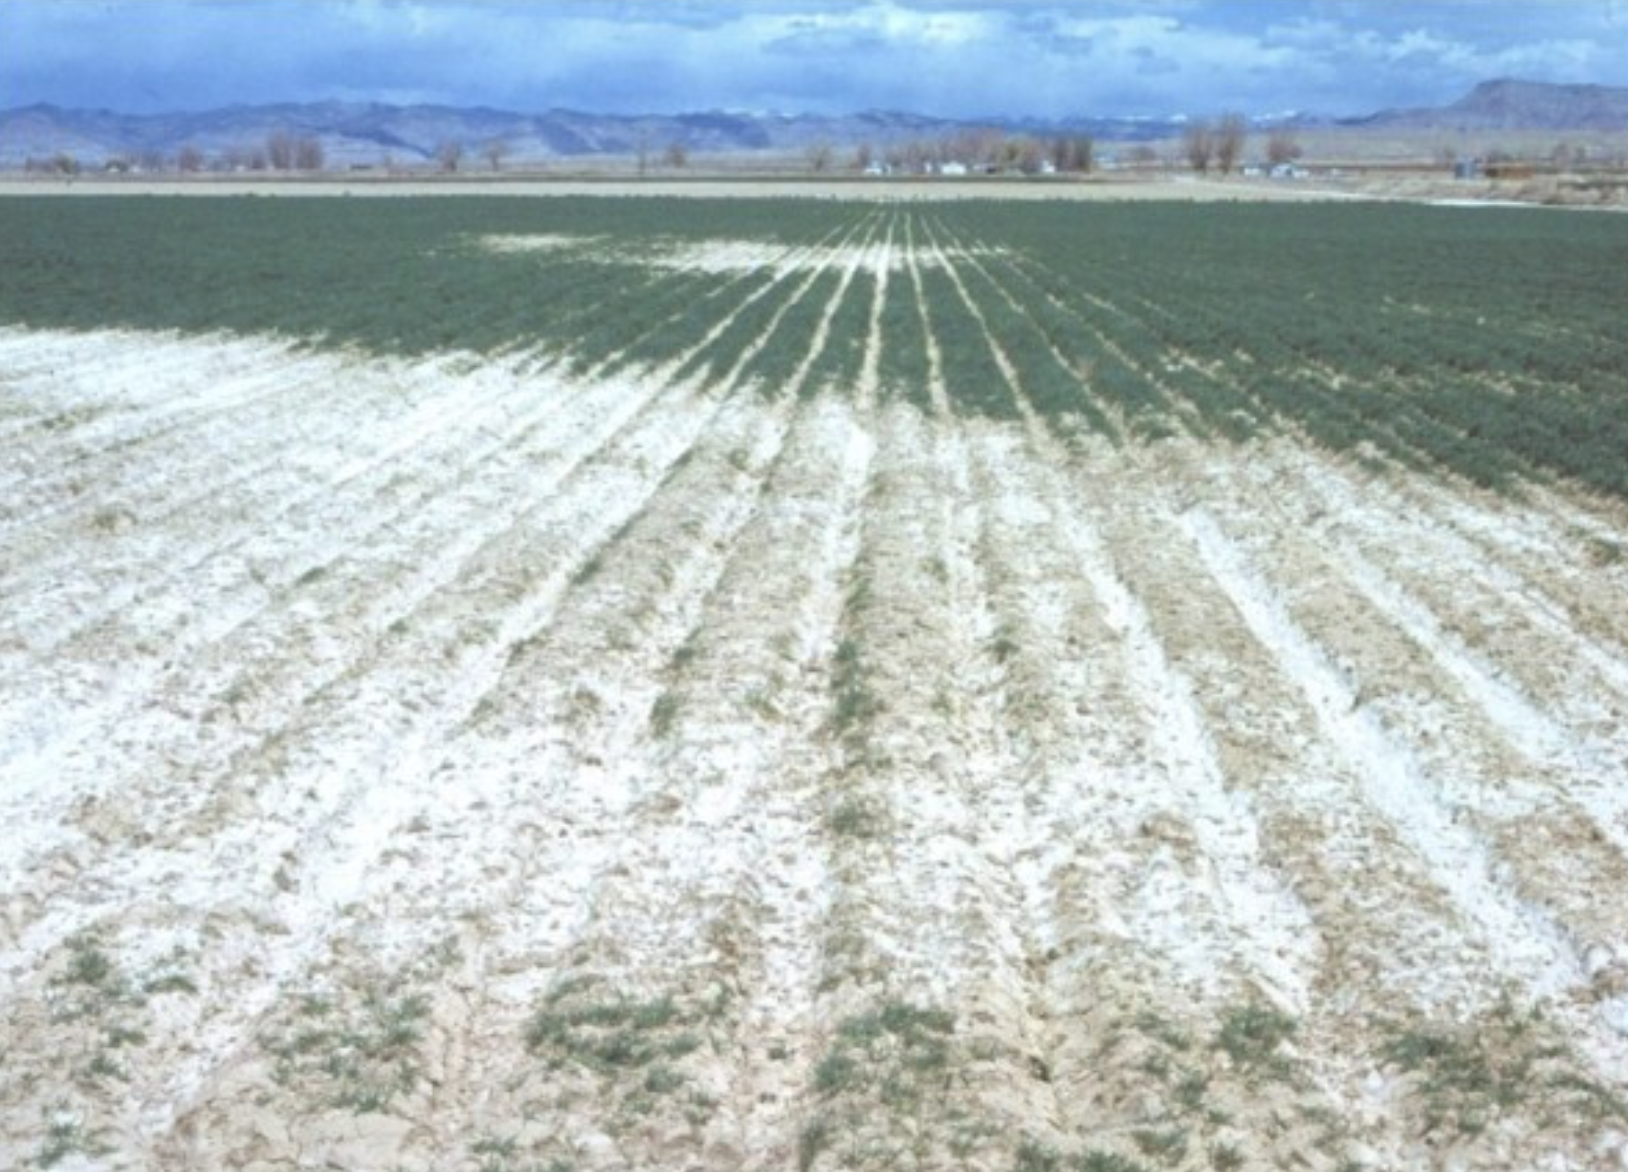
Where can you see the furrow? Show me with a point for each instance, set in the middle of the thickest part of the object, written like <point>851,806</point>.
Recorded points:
<point>264,646</point>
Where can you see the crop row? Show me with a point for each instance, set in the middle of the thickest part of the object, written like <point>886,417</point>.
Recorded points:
<point>1486,342</point>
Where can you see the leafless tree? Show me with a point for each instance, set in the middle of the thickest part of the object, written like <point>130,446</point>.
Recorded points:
<point>1073,155</point>
<point>151,161</point>
<point>494,153</point>
<point>1282,147</point>
<point>677,156</point>
<point>1198,145</point>
<point>1230,136</point>
<point>280,150</point>
<point>819,157</point>
<point>189,159</point>
<point>864,156</point>
<point>1568,156</point>
<point>308,154</point>
<point>449,155</point>
<point>1023,154</point>
<point>1142,155</point>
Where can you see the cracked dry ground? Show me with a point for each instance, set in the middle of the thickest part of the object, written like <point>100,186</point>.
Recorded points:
<point>463,763</point>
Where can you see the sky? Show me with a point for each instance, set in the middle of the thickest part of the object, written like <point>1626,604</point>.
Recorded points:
<point>952,58</point>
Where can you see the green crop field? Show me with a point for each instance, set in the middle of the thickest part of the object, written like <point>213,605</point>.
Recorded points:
<point>1489,345</point>
<point>598,684</point>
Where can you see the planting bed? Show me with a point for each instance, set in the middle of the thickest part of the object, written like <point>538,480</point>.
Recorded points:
<point>601,685</point>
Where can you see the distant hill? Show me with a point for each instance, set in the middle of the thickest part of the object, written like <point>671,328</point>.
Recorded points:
<point>354,133</point>
<point>1507,104</point>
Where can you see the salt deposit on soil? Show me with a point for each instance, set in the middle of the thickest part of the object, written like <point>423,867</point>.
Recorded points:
<point>438,763</point>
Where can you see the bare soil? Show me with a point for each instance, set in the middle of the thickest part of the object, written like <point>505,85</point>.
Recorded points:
<point>458,764</point>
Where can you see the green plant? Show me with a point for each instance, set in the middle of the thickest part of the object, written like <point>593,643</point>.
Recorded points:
<point>856,817</point>
<point>359,1049</point>
<point>1166,1144</point>
<point>664,714</point>
<point>1101,1161</point>
<point>1465,1074</point>
<point>814,1138</point>
<point>65,1135</point>
<point>1252,1036</point>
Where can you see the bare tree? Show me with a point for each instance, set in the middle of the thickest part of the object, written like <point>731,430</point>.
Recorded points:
<point>1198,145</point>
<point>449,155</point>
<point>280,150</point>
<point>189,159</point>
<point>1282,147</point>
<point>1230,136</point>
<point>1568,156</point>
<point>1072,154</point>
<point>819,157</point>
<point>308,154</point>
<point>1023,154</point>
<point>864,156</point>
<point>495,152</point>
<point>677,156</point>
<point>150,161</point>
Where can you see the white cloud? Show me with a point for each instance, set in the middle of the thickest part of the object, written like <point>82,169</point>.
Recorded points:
<point>938,56</point>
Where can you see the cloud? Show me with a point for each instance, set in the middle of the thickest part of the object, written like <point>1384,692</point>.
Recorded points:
<point>955,57</point>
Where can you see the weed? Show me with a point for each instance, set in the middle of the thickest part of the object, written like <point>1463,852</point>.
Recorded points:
<point>662,1079</point>
<point>65,1135</point>
<point>1034,1157</point>
<point>1005,643</point>
<point>811,1141</point>
<point>109,520</point>
<point>1190,1089</point>
<point>763,700</point>
<point>633,1048</point>
<point>361,1050</point>
<point>105,1066</point>
<point>1252,1036</point>
<point>664,714</point>
<point>1162,1030</point>
<point>610,1033</point>
<point>1101,1161</point>
<point>1603,552</point>
<point>894,1050</point>
<point>91,967</point>
<point>856,817</point>
<point>1226,1158</point>
<point>1467,1074</point>
<point>503,1155</point>
<point>1168,1144</point>
<point>897,1061</point>
<point>589,569</point>
<point>855,703</point>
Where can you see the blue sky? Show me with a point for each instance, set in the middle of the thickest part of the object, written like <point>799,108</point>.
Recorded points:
<point>947,57</point>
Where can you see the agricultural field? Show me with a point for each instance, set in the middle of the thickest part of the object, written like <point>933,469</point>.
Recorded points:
<point>583,684</point>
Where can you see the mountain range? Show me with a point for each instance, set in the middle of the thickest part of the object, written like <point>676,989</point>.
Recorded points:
<point>1508,104</point>
<point>372,133</point>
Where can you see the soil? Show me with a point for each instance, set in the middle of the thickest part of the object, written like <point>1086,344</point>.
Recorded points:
<point>463,764</point>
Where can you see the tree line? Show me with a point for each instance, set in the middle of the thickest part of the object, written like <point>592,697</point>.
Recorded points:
<point>281,151</point>
<point>1221,144</point>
